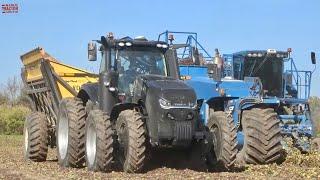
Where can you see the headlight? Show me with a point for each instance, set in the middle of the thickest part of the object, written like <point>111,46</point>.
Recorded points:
<point>162,46</point>
<point>121,44</point>
<point>164,103</point>
<point>128,44</point>
<point>190,116</point>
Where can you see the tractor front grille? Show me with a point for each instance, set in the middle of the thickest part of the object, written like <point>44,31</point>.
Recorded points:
<point>183,131</point>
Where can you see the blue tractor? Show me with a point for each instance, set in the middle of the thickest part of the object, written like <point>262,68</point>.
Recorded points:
<point>227,99</point>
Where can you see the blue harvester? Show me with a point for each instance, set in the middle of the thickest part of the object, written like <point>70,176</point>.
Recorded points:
<point>265,102</point>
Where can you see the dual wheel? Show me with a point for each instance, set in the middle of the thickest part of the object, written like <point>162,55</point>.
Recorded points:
<point>92,138</point>
<point>262,139</point>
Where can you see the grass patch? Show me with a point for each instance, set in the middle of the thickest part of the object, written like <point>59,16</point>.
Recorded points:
<point>12,119</point>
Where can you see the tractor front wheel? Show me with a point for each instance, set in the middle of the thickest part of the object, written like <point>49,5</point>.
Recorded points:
<point>224,134</point>
<point>131,132</point>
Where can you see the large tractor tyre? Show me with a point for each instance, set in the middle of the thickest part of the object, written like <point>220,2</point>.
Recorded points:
<point>99,142</point>
<point>132,145</point>
<point>71,133</point>
<point>262,137</point>
<point>36,137</point>
<point>224,137</point>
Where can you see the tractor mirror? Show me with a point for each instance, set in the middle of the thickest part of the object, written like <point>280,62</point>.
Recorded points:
<point>313,57</point>
<point>92,51</point>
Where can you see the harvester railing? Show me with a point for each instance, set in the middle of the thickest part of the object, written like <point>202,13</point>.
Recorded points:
<point>191,42</point>
<point>301,80</point>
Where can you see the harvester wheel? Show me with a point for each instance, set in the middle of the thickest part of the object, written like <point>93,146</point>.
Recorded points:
<point>71,133</point>
<point>262,138</point>
<point>36,137</point>
<point>132,143</point>
<point>224,136</point>
<point>99,141</point>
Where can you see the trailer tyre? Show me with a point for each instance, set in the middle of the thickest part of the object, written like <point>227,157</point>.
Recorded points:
<point>131,134</point>
<point>36,137</point>
<point>71,133</point>
<point>262,137</point>
<point>224,136</point>
<point>99,142</point>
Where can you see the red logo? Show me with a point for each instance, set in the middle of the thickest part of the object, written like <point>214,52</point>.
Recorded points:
<point>10,8</point>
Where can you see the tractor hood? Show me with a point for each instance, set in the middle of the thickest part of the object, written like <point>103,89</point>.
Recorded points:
<point>207,88</point>
<point>170,92</point>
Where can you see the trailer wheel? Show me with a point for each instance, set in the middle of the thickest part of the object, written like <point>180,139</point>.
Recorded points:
<point>262,138</point>
<point>224,136</point>
<point>132,148</point>
<point>99,142</point>
<point>36,137</point>
<point>71,133</point>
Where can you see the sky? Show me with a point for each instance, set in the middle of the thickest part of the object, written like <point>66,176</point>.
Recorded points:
<point>63,28</point>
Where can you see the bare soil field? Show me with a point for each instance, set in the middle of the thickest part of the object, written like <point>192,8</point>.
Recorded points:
<point>13,166</point>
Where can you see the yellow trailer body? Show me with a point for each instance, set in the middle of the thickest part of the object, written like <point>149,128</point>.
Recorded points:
<point>72,76</point>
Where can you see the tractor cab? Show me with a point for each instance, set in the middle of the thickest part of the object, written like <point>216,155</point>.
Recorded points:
<point>126,61</point>
<point>267,65</point>
<point>276,70</point>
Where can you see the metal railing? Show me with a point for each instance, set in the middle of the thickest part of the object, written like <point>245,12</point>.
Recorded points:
<point>301,80</point>
<point>191,42</point>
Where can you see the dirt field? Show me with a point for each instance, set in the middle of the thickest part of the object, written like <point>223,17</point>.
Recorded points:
<point>13,166</point>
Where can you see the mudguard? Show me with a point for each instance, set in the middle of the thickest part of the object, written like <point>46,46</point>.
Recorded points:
<point>89,91</point>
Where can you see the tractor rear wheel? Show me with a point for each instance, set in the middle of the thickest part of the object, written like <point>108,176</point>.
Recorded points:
<point>131,140</point>
<point>99,141</point>
<point>36,137</point>
<point>224,136</point>
<point>262,137</point>
<point>71,133</point>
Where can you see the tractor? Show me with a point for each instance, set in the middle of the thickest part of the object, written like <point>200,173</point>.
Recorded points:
<point>239,100</point>
<point>114,119</point>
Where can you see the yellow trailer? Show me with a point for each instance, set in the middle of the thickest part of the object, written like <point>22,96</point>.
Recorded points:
<point>47,81</point>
